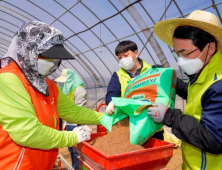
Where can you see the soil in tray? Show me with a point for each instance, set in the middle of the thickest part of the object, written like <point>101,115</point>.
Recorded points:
<point>117,141</point>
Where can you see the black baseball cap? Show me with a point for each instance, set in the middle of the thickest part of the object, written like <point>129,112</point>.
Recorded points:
<point>57,52</point>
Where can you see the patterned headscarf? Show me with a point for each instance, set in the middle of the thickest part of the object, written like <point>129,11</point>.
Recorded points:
<point>32,39</point>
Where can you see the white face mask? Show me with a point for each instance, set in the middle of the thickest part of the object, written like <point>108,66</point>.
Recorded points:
<point>191,66</point>
<point>45,65</point>
<point>127,63</point>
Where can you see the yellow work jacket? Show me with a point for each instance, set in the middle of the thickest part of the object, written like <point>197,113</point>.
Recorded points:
<point>193,157</point>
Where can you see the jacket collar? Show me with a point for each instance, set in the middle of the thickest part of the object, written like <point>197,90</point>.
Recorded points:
<point>201,76</point>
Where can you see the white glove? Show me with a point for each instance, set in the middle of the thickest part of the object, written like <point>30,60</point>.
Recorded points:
<point>83,133</point>
<point>110,108</point>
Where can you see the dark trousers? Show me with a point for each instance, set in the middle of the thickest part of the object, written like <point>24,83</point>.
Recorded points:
<point>72,150</point>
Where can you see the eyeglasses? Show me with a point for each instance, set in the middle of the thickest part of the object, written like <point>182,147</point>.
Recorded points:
<point>177,55</point>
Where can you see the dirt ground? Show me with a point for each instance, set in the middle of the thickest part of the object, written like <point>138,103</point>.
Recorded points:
<point>56,167</point>
<point>65,153</point>
<point>176,161</point>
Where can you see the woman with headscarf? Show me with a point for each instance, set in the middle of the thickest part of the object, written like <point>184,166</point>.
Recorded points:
<point>31,104</point>
<point>72,87</point>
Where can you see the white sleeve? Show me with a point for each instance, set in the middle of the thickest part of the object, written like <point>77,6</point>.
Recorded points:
<point>79,96</point>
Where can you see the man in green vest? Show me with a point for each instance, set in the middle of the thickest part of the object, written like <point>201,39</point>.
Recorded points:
<point>197,43</point>
<point>131,66</point>
<point>72,87</point>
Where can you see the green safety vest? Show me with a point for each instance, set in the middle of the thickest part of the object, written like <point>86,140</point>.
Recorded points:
<point>193,157</point>
<point>124,78</point>
<point>70,95</point>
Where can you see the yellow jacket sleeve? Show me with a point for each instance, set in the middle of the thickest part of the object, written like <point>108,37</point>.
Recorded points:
<point>18,118</point>
<point>70,112</point>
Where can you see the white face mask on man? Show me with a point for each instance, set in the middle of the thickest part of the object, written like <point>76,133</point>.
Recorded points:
<point>191,66</point>
<point>45,65</point>
<point>127,63</point>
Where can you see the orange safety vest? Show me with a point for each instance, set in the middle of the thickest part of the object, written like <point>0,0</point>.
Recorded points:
<point>14,156</point>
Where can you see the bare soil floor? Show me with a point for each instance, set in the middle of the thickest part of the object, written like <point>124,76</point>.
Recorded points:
<point>176,161</point>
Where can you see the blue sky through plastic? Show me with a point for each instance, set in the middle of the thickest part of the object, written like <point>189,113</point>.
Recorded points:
<point>96,46</point>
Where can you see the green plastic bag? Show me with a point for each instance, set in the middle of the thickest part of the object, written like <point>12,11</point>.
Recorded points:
<point>152,86</point>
